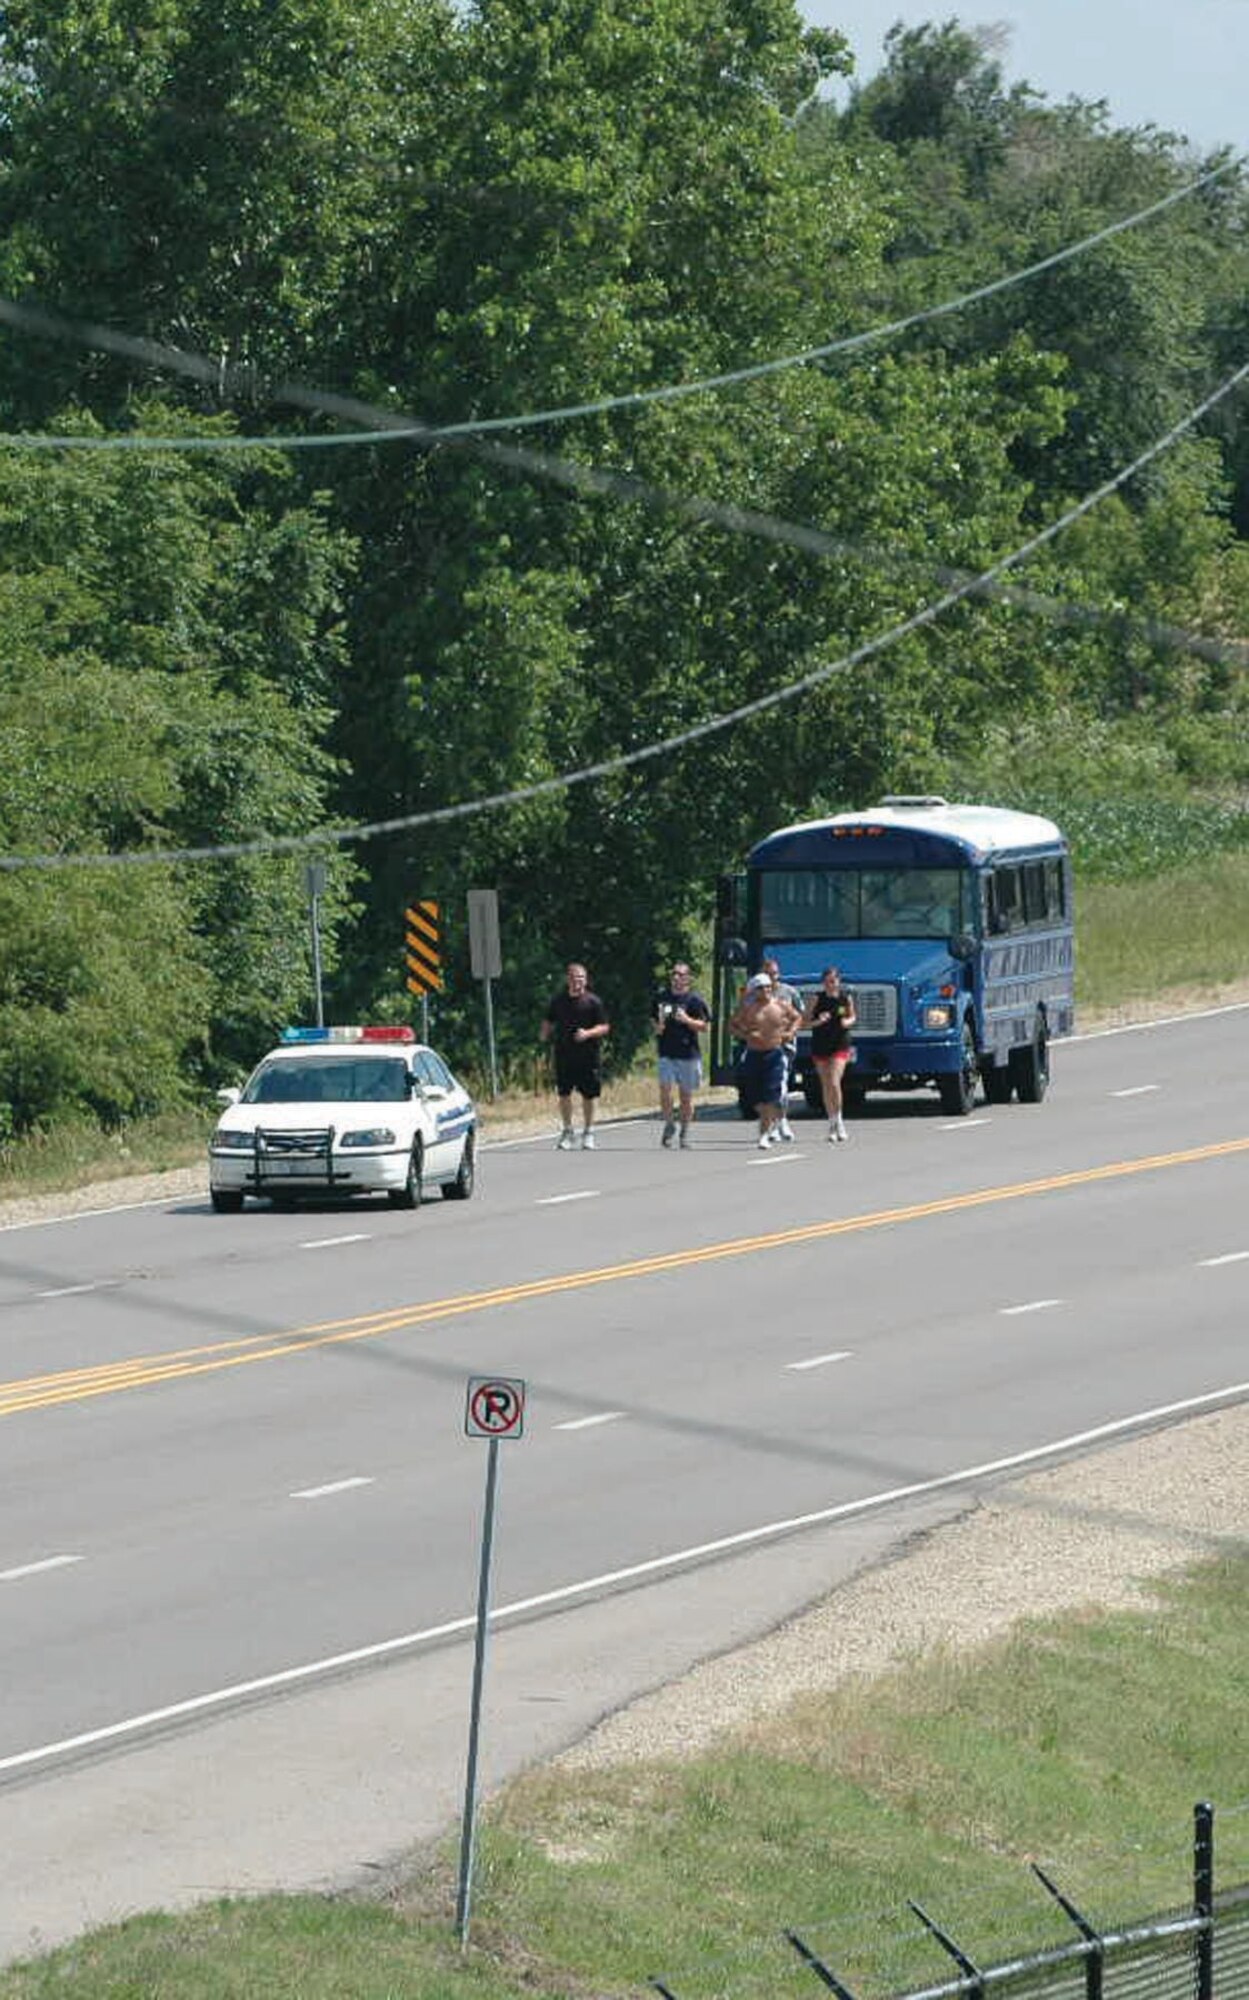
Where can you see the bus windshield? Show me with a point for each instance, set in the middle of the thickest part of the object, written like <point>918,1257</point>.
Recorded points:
<point>796,903</point>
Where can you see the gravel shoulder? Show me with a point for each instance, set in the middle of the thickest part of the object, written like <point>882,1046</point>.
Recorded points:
<point>1093,1532</point>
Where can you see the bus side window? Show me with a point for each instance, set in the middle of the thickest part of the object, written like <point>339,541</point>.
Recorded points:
<point>1054,899</point>
<point>1033,873</point>
<point>1007,902</point>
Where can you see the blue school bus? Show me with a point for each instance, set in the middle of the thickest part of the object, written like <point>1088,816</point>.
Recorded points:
<point>950,924</point>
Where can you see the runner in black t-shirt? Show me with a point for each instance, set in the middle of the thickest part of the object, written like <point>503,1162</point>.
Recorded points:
<point>681,1016</point>
<point>577,1022</point>
<point>830,1016</point>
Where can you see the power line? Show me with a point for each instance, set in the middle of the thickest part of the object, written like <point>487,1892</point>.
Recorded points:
<point>927,615</point>
<point>225,375</point>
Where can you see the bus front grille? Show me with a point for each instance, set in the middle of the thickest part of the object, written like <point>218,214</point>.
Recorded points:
<point>877,1010</point>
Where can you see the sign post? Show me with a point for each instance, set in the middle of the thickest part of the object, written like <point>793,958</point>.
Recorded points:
<point>314,883</point>
<point>486,960</point>
<point>495,1409</point>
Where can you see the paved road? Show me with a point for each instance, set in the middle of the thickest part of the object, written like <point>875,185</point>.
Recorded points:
<point>239,1532</point>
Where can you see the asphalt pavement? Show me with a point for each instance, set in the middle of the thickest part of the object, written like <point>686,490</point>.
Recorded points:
<point>242,1516</point>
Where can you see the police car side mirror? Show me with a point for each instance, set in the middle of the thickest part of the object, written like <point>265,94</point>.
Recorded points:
<point>733,951</point>
<point>227,1097</point>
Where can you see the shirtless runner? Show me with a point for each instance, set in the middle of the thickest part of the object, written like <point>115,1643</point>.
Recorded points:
<point>765,1022</point>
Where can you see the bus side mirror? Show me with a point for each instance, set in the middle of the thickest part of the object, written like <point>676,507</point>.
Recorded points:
<point>962,946</point>
<point>733,951</point>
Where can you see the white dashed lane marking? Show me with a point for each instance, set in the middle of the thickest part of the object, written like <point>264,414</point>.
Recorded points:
<point>964,1124</point>
<point>818,1360</point>
<point>553,1200</point>
<point>588,1423</point>
<point>330,1242</point>
<point>72,1291</point>
<point>1231,1257</point>
<point>334,1486</point>
<point>37,1568</point>
<point>1137,1090</point>
<point>1031,1306</point>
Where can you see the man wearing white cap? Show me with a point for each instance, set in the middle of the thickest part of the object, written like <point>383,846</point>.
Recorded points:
<point>765,1022</point>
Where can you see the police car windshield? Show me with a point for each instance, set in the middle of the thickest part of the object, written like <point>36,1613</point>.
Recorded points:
<point>310,1079</point>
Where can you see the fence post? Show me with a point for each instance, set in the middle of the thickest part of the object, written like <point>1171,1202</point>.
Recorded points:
<point>965,1964</point>
<point>818,1967</point>
<point>1203,1897</point>
<point>1094,1963</point>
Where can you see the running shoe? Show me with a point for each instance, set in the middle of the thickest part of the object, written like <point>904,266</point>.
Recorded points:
<point>564,1143</point>
<point>587,1142</point>
<point>666,1136</point>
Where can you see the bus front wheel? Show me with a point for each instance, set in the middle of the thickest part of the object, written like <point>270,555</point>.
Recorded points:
<point>958,1092</point>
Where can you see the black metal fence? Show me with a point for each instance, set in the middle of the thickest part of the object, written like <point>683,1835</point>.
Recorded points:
<point>1197,1953</point>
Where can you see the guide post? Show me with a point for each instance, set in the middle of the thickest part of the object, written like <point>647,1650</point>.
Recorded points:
<point>314,883</point>
<point>486,959</point>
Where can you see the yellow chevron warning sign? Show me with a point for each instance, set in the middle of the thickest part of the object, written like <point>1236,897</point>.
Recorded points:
<point>422,948</point>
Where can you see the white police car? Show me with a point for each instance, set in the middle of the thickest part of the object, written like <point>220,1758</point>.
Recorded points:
<point>343,1111</point>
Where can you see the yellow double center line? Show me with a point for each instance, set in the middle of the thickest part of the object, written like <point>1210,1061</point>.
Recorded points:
<point>40,1392</point>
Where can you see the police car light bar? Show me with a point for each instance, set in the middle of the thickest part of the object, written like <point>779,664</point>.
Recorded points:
<point>290,1035</point>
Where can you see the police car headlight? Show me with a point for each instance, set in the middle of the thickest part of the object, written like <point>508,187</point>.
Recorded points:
<point>374,1135</point>
<point>232,1142</point>
<point>936,1017</point>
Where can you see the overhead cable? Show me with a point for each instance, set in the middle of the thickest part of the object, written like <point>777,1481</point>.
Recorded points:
<point>227,376</point>
<point>328,837</point>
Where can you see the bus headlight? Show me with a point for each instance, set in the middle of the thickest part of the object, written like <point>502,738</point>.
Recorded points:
<point>936,1016</point>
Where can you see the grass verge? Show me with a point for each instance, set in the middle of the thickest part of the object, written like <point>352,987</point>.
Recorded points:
<point>1187,929</point>
<point>1081,1741</point>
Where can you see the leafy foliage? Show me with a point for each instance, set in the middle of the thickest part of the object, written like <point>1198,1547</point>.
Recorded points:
<point>471,213</point>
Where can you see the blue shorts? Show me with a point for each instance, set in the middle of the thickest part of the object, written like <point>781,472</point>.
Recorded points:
<point>686,1072</point>
<point>762,1076</point>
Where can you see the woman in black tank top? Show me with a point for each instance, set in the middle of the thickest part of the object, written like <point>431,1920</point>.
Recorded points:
<point>830,1016</point>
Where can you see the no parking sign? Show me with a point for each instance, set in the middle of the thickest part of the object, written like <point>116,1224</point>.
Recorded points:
<point>495,1407</point>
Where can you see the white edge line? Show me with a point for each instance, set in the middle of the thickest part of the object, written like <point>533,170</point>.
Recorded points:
<point>1032,1306</point>
<point>553,1200</point>
<point>1229,1257</point>
<point>1167,1021</point>
<point>818,1361</point>
<point>92,1214</point>
<point>586,1423</point>
<point>36,1568</point>
<point>657,1566</point>
<point>334,1486</point>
